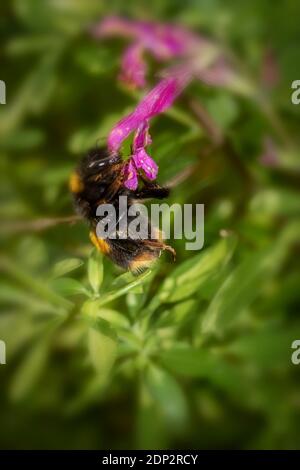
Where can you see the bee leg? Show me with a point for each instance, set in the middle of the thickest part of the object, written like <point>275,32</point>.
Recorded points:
<point>152,191</point>
<point>162,246</point>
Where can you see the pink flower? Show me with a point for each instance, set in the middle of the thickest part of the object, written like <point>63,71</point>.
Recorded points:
<point>131,178</point>
<point>155,102</point>
<point>199,58</point>
<point>144,162</point>
<point>140,158</point>
<point>142,137</point>
<point>164,42</point>
<point>133,67</point>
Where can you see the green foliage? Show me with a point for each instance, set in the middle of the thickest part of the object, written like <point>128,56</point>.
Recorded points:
<point>95,271</point>
<point>195,354</point>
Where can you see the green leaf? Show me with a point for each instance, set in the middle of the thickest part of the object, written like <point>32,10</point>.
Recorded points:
<point>135,300</point>
<point>110,296</point>
<point>243,285</point>
<point>95,60</point>
<point>188,278</point>
<point>151,432</point>
<point>188,361</point>
<point>125,279</point>
<point>113,317</point>
<point>102,345</point>
<point>34,285</point>
<point>223,109</point>
<point>201,363</point>
<point>36,43</point>
<point>177,315</point>
<point>26,138</point>
<point>65,266</point>
<point>268,348</point>
<point>95,270</point>
<point>269,202</point>
<point>34,93</point>
<point>34,364</point>
<point>167,394</point>
<point>30,371</point>
<point>69,286</point>
<point>88,394</point>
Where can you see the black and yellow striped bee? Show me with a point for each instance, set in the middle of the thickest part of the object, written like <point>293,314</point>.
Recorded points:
<point>99,180</point>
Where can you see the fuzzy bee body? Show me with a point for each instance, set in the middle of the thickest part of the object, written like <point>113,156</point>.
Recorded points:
<point>99,180</point>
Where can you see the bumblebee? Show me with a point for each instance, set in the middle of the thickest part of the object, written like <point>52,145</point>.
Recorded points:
<point>99,180</point>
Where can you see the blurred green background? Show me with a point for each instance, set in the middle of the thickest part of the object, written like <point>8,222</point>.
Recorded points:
<point>195,354</point>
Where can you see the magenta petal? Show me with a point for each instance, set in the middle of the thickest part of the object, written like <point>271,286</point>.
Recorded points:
<point>168,41</point>
<point>120,131</point>
<point>162,96</point>
<point>142,137</point>
<point>131,179</point>
<point>144,162</point>
<point>133,66</point>
<point>156,101</point>
<point>164,41</point>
